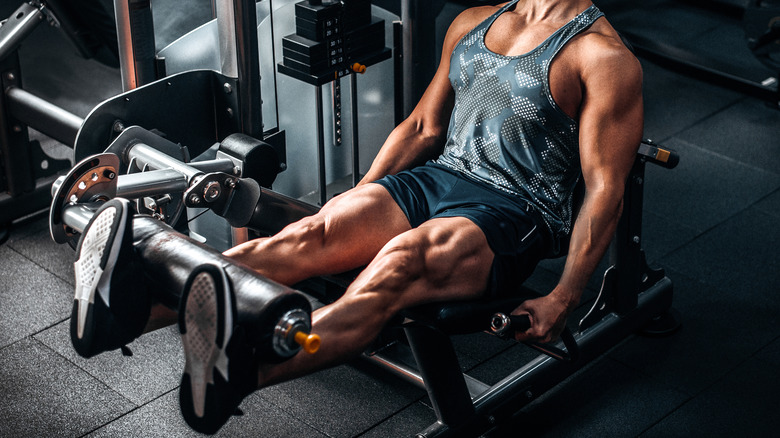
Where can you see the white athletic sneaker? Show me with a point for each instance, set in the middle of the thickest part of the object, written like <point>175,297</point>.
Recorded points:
<point>112,303</point>
<point>220,367</point>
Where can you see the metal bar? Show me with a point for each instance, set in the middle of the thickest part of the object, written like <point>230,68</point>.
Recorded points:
<point>355,132</point>
<point>419,50</point>
<point>355,139</point>
<point>335,92</point>
<point>43,116</point>
<point>147,156</point>
<point>77,216</point>
<point>20,24</point>
<point>227,37</point>
<point>444,380</point>
<point>625,249</point>
<point>398,73</point>
<point>250,103</point>
<point>237,29</point>
<point>406,373</point>
<point>155,182</point>
<point>412,375</point>
<point>520,388</point>
<point>273,61</point>
<point>320,146</point>
<point>135,35</point>
<point>15,151</point>
<point>409,20</point>
<point>219,165</point>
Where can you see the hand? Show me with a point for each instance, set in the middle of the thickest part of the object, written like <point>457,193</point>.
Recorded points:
<point>548,319</point>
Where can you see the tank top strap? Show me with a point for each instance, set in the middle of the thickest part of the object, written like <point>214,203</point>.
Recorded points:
<point>482,27</point>
<point>557,40</point>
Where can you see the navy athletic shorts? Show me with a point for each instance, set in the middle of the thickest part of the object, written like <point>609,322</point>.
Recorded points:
<point>514,230</point>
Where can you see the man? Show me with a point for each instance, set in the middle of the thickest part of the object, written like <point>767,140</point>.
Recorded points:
<point>529,96</point>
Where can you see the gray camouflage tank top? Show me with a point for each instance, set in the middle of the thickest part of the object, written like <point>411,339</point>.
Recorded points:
<point>507,131</point>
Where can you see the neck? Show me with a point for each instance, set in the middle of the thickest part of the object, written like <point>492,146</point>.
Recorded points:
<point>550,10</point>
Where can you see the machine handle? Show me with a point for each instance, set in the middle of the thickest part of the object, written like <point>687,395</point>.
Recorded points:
<point>501,323</point>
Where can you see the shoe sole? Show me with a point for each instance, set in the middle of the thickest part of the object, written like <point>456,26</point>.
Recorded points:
<point>206,324</point>
<point>92,264</point>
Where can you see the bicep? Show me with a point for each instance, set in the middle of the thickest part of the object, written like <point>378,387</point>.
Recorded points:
<point>611,123</point>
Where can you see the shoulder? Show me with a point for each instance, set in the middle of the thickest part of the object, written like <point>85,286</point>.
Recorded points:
<point>603,57</point>
<point>468,20</point>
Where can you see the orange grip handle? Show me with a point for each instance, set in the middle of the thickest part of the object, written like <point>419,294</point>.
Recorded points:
<point>309,342</point>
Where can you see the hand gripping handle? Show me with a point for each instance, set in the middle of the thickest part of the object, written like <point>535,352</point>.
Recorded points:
<point>502,323</point>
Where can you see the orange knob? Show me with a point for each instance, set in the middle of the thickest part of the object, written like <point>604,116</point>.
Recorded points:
<point>309,342</point>
<point>358,68</point>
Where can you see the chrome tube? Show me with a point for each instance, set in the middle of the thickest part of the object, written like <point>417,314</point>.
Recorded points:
<point>77,216</point>
<point>147,156</point>
<point>403,371</point>
<point>225,165</point>
<point>20,24</point>
<point>44,116</point>
<point>155,182</point>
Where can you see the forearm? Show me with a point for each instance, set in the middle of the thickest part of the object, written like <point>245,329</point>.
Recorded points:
<point>592,233</point>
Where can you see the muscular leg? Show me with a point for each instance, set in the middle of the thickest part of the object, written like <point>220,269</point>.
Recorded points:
<point>446,258</point>
<point>347,233</point>
<point>443,259</point>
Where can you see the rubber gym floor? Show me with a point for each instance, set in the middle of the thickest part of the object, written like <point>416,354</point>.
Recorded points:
<point>711,223</point>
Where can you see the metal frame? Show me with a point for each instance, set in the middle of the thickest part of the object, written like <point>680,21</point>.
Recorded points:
<point>27,173</point>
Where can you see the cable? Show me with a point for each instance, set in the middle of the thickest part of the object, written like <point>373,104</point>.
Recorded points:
<point>199,215</point>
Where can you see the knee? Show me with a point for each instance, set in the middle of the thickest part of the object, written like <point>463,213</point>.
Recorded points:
<point>302,237</point>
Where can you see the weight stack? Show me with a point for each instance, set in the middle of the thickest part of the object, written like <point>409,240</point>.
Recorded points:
<point>330,37</point>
